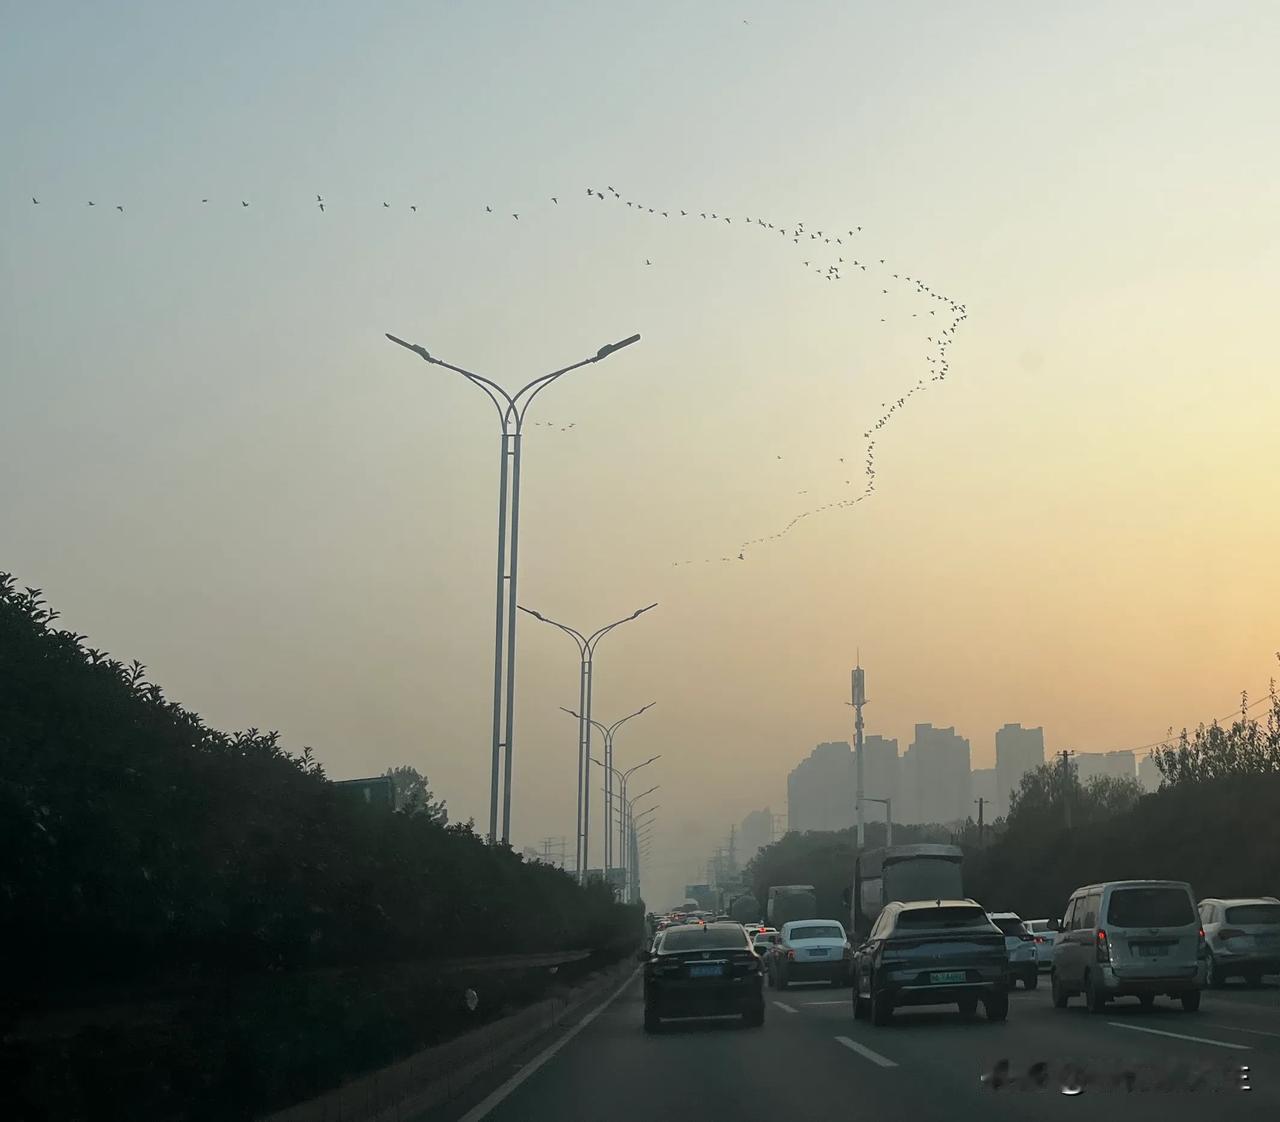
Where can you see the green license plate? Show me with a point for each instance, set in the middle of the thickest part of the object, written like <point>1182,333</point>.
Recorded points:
<point>947,977</point>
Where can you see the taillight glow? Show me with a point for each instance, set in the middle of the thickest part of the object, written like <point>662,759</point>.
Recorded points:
<point>1104,948</point>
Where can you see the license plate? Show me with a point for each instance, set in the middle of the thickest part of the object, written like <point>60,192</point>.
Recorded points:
<point>818,954</point>
<point>1151,950</point>
<point>706,970</point>
<point>947,977</point>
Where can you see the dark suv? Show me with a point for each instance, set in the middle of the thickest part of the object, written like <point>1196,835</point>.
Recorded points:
<point>703,970</point>
<point>932,952</point>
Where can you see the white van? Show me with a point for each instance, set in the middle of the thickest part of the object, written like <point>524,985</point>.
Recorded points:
<point>1129,938</point>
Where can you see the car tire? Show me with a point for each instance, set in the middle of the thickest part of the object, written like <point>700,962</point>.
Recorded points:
<point>968,1007</point>
<point>997,1006</point>
<point>1060,995</point>
<point>783,981</point>
<point>859,1005</point>
<point>754,1017</point>
<point>1190,1001</point>
<point>1147,1001</point>
<point>881,1006</point>
<point>1213,976</point>
<point>1030,981</point>
<point>652,1022</point>
<point>1095,999</point>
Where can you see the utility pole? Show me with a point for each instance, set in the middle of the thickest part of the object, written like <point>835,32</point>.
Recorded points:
<point>981,806</point>
<point>733,856</point>
<point>859,700</point>
<point>1066,785</point>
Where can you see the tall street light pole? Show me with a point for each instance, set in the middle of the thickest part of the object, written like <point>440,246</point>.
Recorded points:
<point>630,850</point>
<point>606,732</point>
<point>586,652</point>
<point>511,413</point>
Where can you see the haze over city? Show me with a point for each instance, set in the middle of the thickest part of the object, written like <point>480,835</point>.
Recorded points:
<point>219,465</point>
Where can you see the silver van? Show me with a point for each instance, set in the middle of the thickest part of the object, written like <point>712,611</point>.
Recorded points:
<point>1129,938</point>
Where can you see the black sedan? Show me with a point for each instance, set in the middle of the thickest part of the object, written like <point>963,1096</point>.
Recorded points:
<point>932,952</point>
<point>703,970</point>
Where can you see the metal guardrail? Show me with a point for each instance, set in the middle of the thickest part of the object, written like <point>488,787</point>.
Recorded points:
<point>509,961</point>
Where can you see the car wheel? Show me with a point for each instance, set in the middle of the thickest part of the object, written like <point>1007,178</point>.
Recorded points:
<point>881,1006</point>
<point>968,1007</point>
<point>997,1006</point>
<point>754,1017</point>
<point>1095,1000</point>
<point>859,1004</point>
<point>1059,994</point>
<point>1147,1000</point>
<point>1212,974</point>
<point>1191,1001</point>
<point>783,982</point>
<point>1031,980</point>
<point>652,1022</point>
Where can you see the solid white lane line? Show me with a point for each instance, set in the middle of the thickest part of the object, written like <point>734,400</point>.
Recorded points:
<point>785,1007</point>
<point>844,1002</point>
<point>1234,1028</point>
<point>1181,1036</point>
<point>482,1109</point>
<point>865,1052</point>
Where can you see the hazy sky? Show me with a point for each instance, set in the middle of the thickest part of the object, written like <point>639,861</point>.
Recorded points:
<point>215,463</point>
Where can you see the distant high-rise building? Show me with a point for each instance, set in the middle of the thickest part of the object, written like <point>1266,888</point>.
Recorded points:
<point>755,832</point>
<point>1120,764</point>
<point>1148,774</point>
<point>1018,751</point>
<point>820,789</point>
<point>880,778</point>
<point>935,776</point>
<point>982,785</point>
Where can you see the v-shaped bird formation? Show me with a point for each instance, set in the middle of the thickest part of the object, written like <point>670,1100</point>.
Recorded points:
<point>830,254</point>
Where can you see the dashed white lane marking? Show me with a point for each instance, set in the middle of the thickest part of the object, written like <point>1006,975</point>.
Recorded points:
<point>1181,1036</point>
<point>865,1052</point>
<point>785,1007</point>
<point>482,1109</point>
<point>809,1003</point>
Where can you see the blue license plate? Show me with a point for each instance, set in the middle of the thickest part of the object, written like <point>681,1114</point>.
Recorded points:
<point>947,977</point>
<point>821,953</point>
<point>706,970</point>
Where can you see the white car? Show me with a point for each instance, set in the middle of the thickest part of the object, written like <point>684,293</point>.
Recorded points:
<point>1021,946</point>
<point>1242,937</point>
<point>811,950</point>
<point>1042,932</point>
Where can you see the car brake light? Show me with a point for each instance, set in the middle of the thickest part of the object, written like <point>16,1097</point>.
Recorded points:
<point>791,954</point>
<point>1039,938</point>
<point>1229,933</point>
<point>1104,948</point>
<point>1202,947</point>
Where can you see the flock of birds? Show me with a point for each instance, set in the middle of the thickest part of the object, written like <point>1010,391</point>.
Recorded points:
<point>824,255</point>
<point>820,251</point>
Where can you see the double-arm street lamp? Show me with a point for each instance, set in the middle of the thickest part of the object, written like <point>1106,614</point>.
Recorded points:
<point>586,651</point>
<point>607,732</point>
<point>511,413</point>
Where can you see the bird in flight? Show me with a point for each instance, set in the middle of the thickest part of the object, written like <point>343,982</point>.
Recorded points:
<point>243,203</point>
<point>488,210</point>
<point>321,206</point>
<point>516,217</point>
<point>120,209</point>
<point>35,201</point>
<point>555,200</point>
<point>91,202</point>
<point>647,261</point>
<point>319,199</point>
<point>204,200</point>
<point>387,205</point>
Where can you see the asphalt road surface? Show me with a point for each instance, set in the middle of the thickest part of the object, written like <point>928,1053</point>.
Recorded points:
<point>811,1060</point>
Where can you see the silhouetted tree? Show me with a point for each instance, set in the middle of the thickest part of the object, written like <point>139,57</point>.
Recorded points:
<point>413,794</point>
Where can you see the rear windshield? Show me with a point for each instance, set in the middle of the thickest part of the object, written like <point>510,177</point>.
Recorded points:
<point>762,940</point>
<point>1254,913</point>
<point>704,939</point>
<point>919,919</point>
<point>828,932</point>
<point>1011,926</point>
<point>1150,907</point>
<point>1037,925</point>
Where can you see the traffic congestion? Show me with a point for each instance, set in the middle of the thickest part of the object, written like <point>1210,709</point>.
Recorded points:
<point>1137,941</point>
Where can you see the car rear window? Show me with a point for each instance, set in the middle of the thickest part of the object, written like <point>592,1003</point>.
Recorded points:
<point>920,919</point>
<point>1254,913</point>
<point>1150,907</point>
<point>828,932</point>
<point>1011,927</point>
<point>704,939</point>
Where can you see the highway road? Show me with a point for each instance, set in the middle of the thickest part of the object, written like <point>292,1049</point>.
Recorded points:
<point>811,1060</point>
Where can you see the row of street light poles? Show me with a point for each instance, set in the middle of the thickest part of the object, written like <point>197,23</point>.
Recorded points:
<point>512,409</point>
